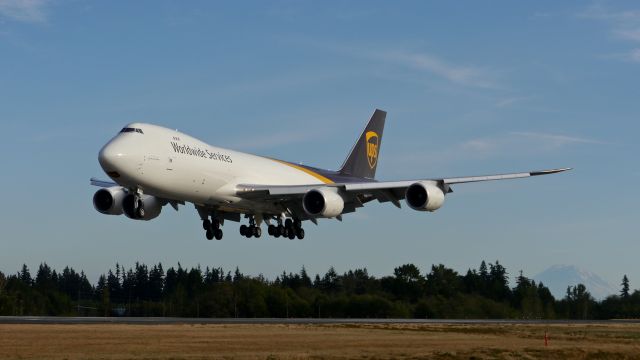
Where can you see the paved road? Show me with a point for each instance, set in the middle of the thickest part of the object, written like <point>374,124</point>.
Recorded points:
<point>165,320</point>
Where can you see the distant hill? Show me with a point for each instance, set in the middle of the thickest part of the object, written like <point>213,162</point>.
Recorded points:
<point>558,277</point>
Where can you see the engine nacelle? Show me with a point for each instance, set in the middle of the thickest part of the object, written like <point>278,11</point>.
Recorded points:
<point>108,201</point>
<point>152,207</point>
<point>323,202</point>
<point>424,196</point>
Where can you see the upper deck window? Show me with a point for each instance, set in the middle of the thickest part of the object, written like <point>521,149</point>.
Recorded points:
<point>128,129</point>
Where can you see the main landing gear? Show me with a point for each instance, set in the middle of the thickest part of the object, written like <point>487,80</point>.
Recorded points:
<point>251,230</point>
<point>291,229</point>
<point>212,228</point>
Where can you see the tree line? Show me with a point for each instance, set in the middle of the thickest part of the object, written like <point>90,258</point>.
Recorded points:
<point>213,292</point>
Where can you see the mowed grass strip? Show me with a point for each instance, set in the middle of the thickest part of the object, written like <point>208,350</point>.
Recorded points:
<point>339,341</point>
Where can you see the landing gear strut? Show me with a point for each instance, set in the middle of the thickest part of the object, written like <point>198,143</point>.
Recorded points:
<point>138,204</point>
<point>251,230</point>
<point>212,229</point>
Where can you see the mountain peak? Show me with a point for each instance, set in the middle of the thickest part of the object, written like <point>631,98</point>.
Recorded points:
<point>558,277</point>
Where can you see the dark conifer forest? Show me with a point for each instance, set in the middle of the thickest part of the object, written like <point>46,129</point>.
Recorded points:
<point>440,292</point>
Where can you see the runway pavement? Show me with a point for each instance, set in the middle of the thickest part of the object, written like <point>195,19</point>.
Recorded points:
<point>264,321</point>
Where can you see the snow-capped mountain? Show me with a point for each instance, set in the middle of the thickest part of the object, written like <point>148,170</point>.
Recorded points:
<point>558,277</point>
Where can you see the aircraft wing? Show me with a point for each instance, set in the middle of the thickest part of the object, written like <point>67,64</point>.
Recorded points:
<point>357,193</point>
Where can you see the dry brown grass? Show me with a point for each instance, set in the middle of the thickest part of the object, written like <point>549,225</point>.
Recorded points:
<point>359,341</point>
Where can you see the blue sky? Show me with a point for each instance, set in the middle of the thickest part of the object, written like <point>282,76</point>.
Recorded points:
<point>469,90</point>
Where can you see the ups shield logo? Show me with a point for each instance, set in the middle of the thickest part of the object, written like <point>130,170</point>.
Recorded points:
<point>372,141</point>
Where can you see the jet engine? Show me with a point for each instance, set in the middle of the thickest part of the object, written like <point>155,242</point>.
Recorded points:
<point>424,196</point>
<point>109,200</point>
<point>148,207</point>
<point>323,202</point>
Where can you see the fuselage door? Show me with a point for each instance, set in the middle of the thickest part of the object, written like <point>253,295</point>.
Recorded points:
<point>170,160</point>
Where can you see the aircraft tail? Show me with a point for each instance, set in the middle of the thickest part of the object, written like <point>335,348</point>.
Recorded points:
<point>363,158</point>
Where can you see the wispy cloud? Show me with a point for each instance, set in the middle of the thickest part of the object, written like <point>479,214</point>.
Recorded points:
<point>30,11</point>
<point>509,144</point>
<point>599,12</point>
<point>628,34</point>
<point>556,140</point>
<point>460,74</point>
<point>506,102</point>
<point>624,25</point>
<point>519,142</point>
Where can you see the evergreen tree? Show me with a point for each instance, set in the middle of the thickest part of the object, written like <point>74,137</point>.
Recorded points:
<point>498,282</point>
<point>471,282</point>
<point>484,280</point>
<point>3,282</point>
<point>548,301</point>
<point>114,285</point>
<point>358,282</point>
<point>24,275</point>
<point>237,275</point>
<point>44,277</point>
<point>330,281</point>
<point>625,287</point>
<point>526,298</point>
<point>156,278</point>
<point>304,278</point>
<point>580,302</point>
<point>483,271</point>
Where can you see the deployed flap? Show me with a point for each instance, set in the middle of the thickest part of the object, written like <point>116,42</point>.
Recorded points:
<point>102,183</point>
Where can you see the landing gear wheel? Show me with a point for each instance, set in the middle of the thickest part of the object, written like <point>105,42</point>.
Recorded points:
<point>297,224</point>
<point>218,234</point>
<point>300,233</point>
<point>281,230</point>
<point>248,232</point>
<point>243,230</point>
<point>206,224</point>
<point>209,234</point>
<point>288,223</point>
<point>257,232</point>
<point>271,230</point>
<point>292,234</point>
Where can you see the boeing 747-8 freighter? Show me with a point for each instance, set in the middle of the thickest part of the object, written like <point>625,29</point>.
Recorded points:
<point>152,166</point>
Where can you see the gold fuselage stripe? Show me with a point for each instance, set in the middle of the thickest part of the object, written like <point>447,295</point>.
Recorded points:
<point>312,173</point>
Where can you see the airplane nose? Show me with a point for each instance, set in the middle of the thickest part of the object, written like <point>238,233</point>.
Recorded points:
<point>110,159</point>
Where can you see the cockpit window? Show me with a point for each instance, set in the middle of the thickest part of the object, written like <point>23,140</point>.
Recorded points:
<point>128,129</point>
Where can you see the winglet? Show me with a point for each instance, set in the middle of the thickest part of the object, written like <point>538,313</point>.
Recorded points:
<point>547,172</point>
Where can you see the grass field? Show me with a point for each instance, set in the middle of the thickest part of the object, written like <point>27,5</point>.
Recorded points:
<point>361,341</point>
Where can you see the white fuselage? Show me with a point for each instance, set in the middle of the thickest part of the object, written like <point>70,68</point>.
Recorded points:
<point>175,166</point>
